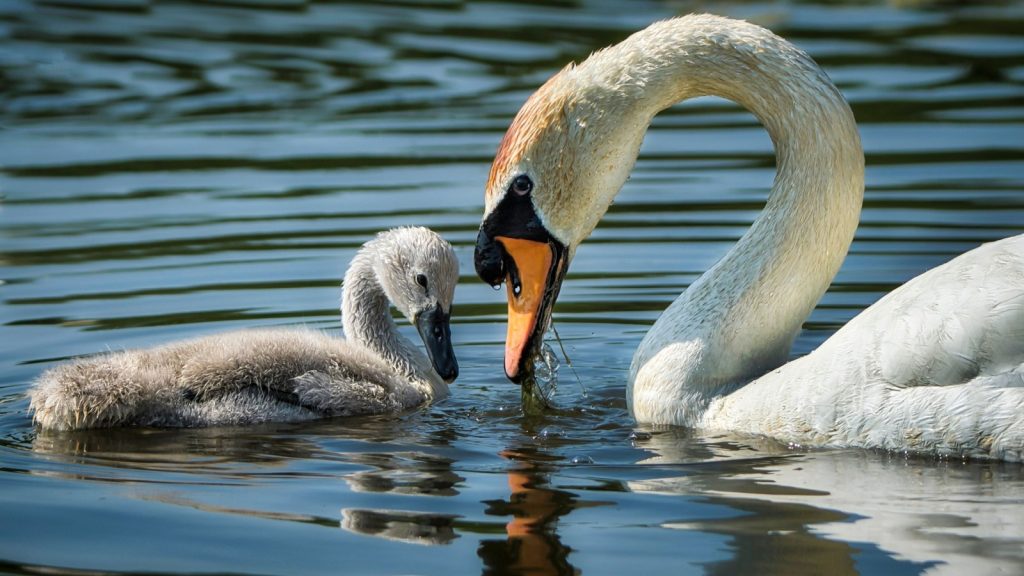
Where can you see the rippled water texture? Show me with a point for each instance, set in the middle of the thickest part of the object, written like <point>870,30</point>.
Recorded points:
<point>171,169</point>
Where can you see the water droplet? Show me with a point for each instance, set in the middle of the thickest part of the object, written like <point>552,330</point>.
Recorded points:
<point>496,287</point>
<point>636,436</point>
<point>516,289</point>
<point>581,459</point>
<point>549,432</point>
<point>545,372</point>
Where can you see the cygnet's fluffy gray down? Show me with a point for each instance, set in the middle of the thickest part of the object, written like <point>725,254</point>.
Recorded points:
<point>254,376</point>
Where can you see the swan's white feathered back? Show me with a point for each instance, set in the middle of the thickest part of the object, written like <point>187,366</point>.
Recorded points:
<point>937,365</point>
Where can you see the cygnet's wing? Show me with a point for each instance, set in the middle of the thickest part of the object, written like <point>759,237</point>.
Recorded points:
<point>326,375</point>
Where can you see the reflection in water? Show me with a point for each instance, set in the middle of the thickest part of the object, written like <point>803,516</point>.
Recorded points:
<point>264,444</point>
<point>532,544</point>
<point>405,473</point>
<point>177,500</point>
<point>403,526</point>
<point>819,511</point>
<point>769,539</point>
<point>188,450</point>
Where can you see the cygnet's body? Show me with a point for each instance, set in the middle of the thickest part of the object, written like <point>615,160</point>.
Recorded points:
<point>254,376</point>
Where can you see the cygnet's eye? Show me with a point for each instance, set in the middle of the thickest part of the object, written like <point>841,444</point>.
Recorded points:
<point>522,185</point>
<point>421,279</point>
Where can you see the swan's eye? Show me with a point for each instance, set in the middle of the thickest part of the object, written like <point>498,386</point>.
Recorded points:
<point>421,279</point>
<point>522,185</point>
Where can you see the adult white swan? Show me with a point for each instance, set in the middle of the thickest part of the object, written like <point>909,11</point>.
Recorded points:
<point>254,376</point>
<point>936,366</point>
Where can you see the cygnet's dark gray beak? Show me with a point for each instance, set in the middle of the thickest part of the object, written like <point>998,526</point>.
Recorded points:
<point>435,330</point>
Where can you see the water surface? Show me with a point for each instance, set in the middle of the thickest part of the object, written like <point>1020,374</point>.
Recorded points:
<point>172,169</point>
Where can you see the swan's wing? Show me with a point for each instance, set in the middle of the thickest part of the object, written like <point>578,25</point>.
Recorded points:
<point>945,359</point>
<point>336,394</point>
<point>958,322</point>
<point>165,385</point>
<point>269,360</point>
<point>302,367</point>
<point>357,382</point>
<point>936,365</point>
<point>104,390</point>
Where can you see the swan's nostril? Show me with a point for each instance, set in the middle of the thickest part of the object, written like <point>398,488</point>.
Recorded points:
<point>513,277</point>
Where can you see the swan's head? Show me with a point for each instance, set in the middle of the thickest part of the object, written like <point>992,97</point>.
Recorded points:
<point>418,270</point>
<point>561,162</point>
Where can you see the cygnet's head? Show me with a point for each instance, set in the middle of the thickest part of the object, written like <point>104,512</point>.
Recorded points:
<point>418,271</point>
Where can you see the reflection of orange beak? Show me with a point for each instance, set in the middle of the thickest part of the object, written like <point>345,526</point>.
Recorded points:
<point>527,284</point>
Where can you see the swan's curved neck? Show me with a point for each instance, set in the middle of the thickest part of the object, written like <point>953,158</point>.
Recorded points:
<point>366,319</point>
<point>739,319</point>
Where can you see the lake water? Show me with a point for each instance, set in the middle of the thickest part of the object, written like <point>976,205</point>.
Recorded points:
<point>172,169</point>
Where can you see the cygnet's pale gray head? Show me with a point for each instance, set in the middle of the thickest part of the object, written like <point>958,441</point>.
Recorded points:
<point>418,271</point>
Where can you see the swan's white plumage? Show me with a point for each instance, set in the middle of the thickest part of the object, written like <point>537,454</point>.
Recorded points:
<point>254,376</point>
<point>935,366</point>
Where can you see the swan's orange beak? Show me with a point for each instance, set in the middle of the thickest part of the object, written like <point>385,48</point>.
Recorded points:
<point>514,247</point>
<point>527,284</point>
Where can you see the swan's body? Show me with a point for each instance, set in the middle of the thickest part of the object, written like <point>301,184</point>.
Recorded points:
<point>937,366</point>
<point>255,376</point>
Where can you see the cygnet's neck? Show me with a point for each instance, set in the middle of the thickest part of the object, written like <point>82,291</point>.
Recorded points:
<point>366,319</point>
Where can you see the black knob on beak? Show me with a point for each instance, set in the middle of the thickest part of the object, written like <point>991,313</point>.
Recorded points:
<point>489,259</point>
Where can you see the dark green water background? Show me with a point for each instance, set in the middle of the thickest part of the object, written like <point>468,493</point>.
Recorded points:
<point>170,169</point>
